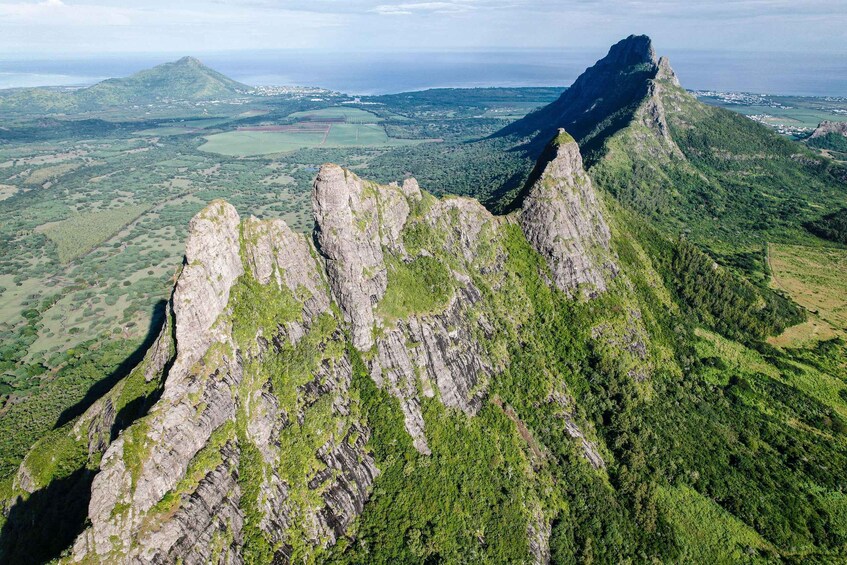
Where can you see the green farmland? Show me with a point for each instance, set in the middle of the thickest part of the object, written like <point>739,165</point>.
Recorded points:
<point>241,143</point>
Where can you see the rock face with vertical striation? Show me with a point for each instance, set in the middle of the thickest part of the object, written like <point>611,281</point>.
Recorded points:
<point>348,235</point>
<point>563,221</point>
<point>172,486</point>
<point>212,264</point>
<point>434,348</point>
<point>257,438</point>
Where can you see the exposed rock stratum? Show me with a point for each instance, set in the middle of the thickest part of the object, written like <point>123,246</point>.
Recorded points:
<point>256,434</point>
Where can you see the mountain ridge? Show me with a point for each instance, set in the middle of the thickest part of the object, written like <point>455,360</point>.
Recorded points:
<point>600,98</point>
<point>354,220</point>
<point>422,380</point>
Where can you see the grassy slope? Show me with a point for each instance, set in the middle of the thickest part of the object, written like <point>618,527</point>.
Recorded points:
<point>735,185</point>
<point>185,79</point>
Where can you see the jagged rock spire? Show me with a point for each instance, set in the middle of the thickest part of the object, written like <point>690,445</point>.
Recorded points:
<point>563,221</point>
<point>633,50</point>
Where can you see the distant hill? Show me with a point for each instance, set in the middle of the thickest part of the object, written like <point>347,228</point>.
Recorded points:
<point>185,80</point>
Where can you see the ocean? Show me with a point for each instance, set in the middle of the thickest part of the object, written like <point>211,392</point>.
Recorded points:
<point>380,73</point>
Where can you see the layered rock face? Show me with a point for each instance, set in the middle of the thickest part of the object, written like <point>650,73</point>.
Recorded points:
<point>359,229</point>
<point>212,263</point>
<point>563,221</point>
<point>206,469</point>
<point>348,234</point>
<point>827,127</point>
<point>258,443</point>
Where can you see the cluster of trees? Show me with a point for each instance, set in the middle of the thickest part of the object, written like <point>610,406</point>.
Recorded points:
<point>832,226</point>
<point>832,141</point>
<point>725,301</point>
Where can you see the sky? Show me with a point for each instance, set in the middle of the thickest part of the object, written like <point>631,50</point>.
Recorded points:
<point>67,28</point>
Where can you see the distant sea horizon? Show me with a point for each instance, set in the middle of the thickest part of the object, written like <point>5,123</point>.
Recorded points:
<point>793,74</point>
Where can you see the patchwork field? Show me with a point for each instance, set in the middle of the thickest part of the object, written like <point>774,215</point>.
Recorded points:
<point>243,143</point>
<point>814,278</point>
<point>7,191</point>
<point>330,128</point>
<point>183,127</point>
<point>349,115</point>
<point>788,114</point>
<point>81,233</point>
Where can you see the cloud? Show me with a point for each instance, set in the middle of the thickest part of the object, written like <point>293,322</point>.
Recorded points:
<point>210,25</point>
<point>57,12</point>
<point>453,7</point>
<point>417,7</point>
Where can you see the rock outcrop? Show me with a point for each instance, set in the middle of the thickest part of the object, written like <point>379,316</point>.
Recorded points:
<point>347,229</point>
<point>212,264</point>
<point>827,127</point>
<point>178,484</point>
<point>563,221</point>
<point>358,228</point>
<point>257,439</point>
<point>599,101</point>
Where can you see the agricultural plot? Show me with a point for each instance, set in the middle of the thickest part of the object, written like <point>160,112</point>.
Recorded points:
<point>7,191</point>
<point>347,115</point>
<point>45,174</point>
<point>183,127</point>
<point>80,234</point>
<point>814,278</point>
<point>283,139</point>
<point>791,115</point>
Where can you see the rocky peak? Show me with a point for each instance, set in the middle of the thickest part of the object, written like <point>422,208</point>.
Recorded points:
<point>347,231</point>
<point>262,360</point>
<point>633,50</point>
<point>563,221</point>
<point>212,264</point>
<point>827,127</point>
<point>189,61</point>
<point>598,103</point>
<point>665,72</point>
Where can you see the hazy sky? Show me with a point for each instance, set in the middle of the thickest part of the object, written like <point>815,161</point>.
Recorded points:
<point>69,27</point>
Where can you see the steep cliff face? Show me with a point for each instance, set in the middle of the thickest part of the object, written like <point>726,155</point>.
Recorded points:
<point>259,370</point>
<point>258,447</point>
<point>599,102</point>
<point>563,221</point>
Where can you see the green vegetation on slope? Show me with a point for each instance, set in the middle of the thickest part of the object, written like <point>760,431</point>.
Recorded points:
<point>832,141</point>
<point>814,278</point>
<point>737,186</point>
<point>467,502</point>
<point>421,286</point>
<point>831,226</point>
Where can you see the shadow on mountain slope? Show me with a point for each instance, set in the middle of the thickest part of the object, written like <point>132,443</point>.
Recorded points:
<point>102,386</point>
<point>39,528</point>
